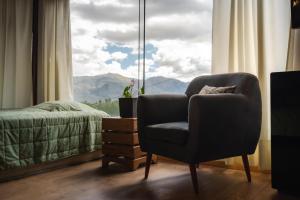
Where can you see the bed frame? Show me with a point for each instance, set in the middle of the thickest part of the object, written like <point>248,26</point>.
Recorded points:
<point>13,174</point>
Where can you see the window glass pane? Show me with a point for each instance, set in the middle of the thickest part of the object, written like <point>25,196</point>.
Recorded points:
<point>178,43</point>
<point>105,47</point>
<point>105,41</point>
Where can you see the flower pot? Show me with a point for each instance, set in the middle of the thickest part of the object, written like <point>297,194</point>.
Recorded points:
<point>128,107</point>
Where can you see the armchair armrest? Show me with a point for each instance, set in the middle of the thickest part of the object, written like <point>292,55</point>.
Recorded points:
<point>222,125</point>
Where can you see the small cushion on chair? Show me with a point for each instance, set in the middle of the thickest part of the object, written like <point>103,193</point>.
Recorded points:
<point>173,132</point>
<point>217,90</point>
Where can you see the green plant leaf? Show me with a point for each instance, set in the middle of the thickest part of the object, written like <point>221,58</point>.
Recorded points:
<point>142,90</point>
<point>127,93</point>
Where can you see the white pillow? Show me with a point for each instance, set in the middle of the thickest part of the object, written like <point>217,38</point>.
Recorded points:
<point>217,90</point>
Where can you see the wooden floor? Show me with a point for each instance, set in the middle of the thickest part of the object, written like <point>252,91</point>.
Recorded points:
<point>167,181</point>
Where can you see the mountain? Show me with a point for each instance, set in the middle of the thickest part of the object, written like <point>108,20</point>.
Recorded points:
<point>95,88</point>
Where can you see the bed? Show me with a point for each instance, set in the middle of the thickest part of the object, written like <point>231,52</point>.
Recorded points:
<point>47,132</point>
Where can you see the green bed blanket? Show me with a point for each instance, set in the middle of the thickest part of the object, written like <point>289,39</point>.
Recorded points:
<point>47,132</point>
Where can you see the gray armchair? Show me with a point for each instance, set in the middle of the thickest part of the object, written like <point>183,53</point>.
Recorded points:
<point>195,128</point>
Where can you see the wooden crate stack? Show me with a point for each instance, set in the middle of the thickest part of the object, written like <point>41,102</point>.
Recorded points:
<point>121,143</point>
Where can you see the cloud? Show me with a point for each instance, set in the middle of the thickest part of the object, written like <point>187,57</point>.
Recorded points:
<point>126,11</point>
<point>118,36</point>
<point>79,32</point>
<point>180,27</point>
<point>179,31</point>
<point>113,11</point>
<point>118,56</point>
<point>117,20</point>
<point>188,27</point>
<point>169,7</point>
<point>183,60</point>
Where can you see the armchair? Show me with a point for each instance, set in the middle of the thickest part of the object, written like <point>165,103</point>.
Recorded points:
<point>195,128</point>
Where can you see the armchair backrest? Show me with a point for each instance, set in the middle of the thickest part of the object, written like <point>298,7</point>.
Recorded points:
<point>245,83</point>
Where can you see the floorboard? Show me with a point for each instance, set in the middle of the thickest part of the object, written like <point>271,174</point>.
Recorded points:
<point>167,181</point>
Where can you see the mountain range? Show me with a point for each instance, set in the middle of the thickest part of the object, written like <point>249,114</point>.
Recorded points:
<point>111,86</point>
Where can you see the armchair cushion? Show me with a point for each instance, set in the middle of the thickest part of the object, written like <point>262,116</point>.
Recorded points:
<point>173,132</point>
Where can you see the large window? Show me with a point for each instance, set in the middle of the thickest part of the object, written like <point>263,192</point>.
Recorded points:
<point>105,47</point>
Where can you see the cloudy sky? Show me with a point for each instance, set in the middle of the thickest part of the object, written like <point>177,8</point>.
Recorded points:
<point>178,37</point>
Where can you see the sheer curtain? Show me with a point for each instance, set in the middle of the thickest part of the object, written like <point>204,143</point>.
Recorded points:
<point>15,53</point>
<point>54,51</point>
<point>293,62</point>
<point>252,36</point>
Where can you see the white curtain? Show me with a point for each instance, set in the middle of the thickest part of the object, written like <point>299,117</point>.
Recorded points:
<point>293,62</point>
<point>54,51</point>
<point>252,36</point>
<point>15,53</point>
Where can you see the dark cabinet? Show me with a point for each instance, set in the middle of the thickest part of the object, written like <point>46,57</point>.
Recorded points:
<point>285,130</point>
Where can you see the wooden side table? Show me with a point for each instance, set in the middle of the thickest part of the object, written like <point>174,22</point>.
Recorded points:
<point>121,144</point>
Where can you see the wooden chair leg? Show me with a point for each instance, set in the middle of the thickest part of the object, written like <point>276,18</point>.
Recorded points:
<point>194,177</point>
<point>105,162</point>
<point>148,164</point>
<point>246,167</point>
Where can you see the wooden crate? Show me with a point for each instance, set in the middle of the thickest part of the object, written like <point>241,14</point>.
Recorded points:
<point>128,151</point>
<point>121,144</point>
<point>131,164</point>
<point>119,138</point>
<point>120,124</point>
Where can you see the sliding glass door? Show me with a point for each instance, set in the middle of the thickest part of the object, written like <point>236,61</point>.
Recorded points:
<point>105,46</point>
<point>107,36</point>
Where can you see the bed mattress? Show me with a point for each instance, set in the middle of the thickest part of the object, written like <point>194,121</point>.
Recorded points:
<point>34,135</point>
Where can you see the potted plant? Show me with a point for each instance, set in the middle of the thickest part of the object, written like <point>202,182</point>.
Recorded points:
<point>128,103</point>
